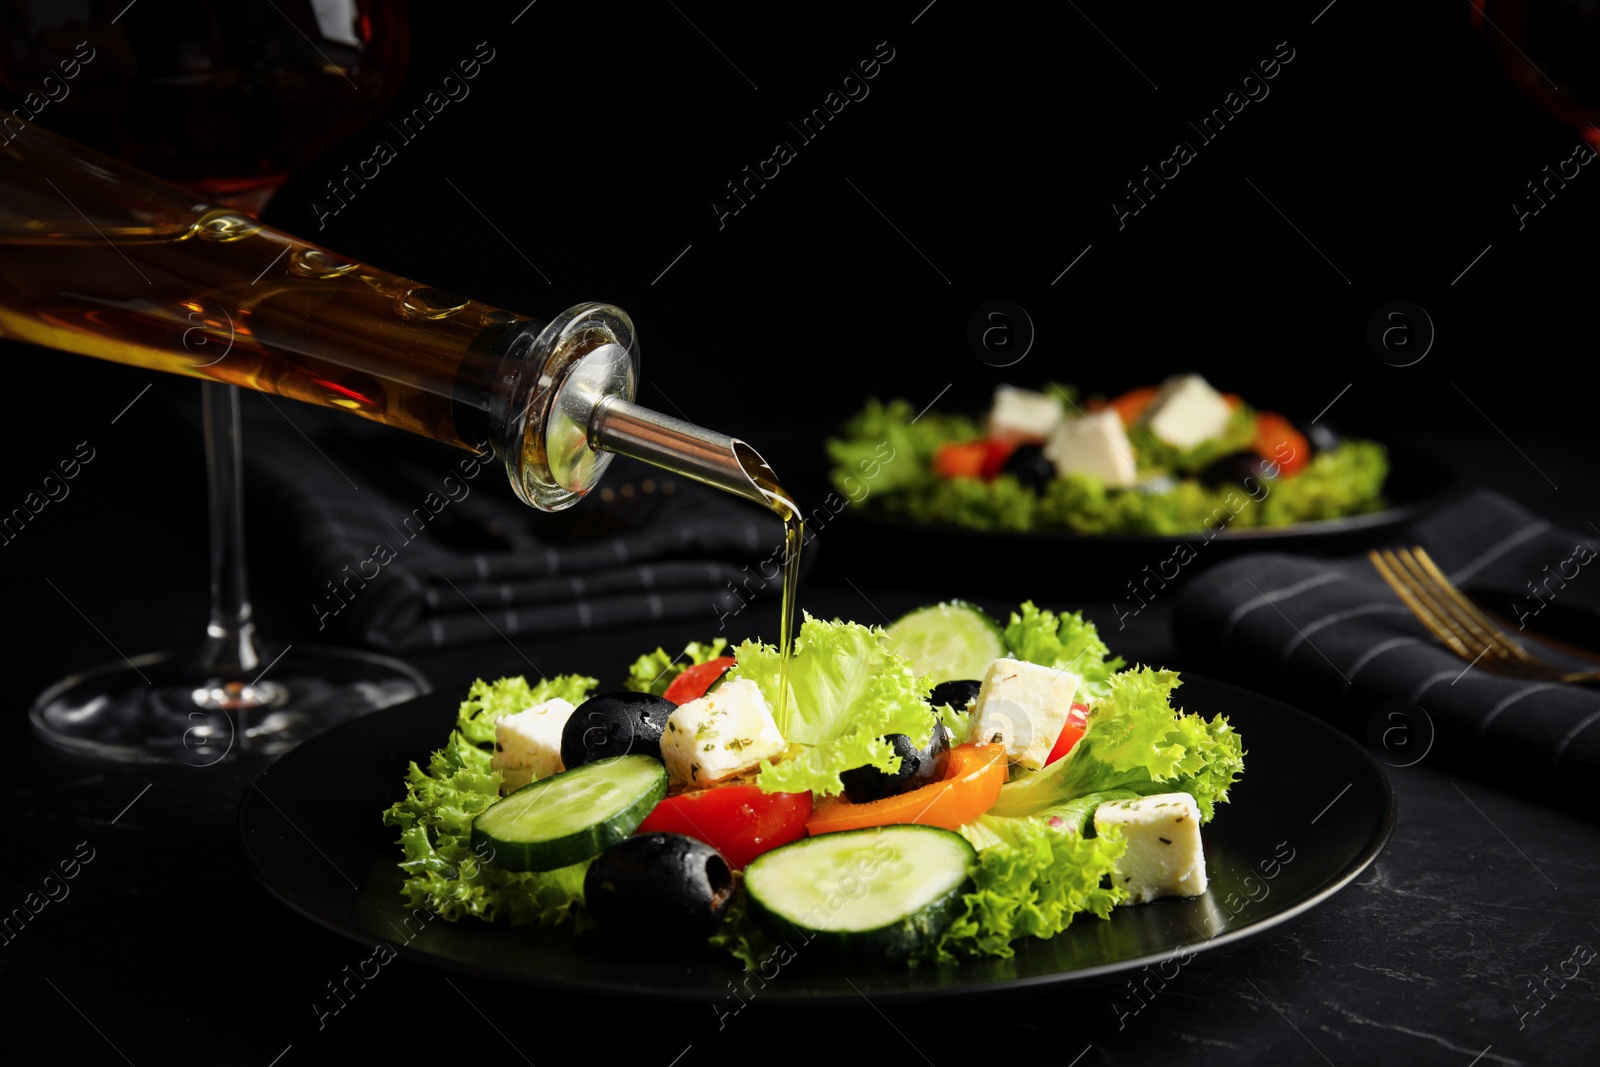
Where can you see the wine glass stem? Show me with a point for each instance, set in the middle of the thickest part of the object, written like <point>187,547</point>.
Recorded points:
<point>230,647</point>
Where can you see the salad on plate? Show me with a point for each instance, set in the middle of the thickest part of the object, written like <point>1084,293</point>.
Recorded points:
<point>1168,459</point>
<point>929,792</point>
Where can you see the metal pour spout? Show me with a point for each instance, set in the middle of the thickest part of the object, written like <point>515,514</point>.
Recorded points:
<point>716,459</point>
<point>593,415</point>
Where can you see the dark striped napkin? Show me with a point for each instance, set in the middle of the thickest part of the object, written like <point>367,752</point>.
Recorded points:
<point>1331,636</point>
<point>406,544</point>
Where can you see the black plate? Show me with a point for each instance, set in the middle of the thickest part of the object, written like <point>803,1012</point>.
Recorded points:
<point>1419,481</point>
<point>311,830</point>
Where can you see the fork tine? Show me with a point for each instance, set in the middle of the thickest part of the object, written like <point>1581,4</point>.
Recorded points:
<point>1423,583</point>
<point>1391,569</point>
<point>1468,612</point>
<point>1454,620</point>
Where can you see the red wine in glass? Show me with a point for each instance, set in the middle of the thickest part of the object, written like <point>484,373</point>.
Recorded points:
<point>1550,50</point>
<point>226,99</point>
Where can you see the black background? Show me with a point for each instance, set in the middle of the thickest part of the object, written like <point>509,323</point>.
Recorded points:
<point>993,142</point>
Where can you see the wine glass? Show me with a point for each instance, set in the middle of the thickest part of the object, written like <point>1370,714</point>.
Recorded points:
<point>226,100</point>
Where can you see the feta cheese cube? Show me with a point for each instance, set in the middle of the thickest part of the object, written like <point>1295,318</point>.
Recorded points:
<point>1022,414</point>
<point>528,744</point>
<point>1187,411</point>
<point>1095,445</point>
<point>1164,858</point>
<point>1022,706</point>
<point>726,732</point>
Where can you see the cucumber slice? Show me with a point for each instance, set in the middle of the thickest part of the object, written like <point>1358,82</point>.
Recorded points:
<point>571,816</point>
<point>878,893</point>
<point>950,641</point>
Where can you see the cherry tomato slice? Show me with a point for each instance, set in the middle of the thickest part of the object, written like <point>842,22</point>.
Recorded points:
<point>1278,440</point>
<point>694,681</point>
<point>971,786</point>
<point>1070,732</point>
<point>994,460</point>
<point>739,821</point>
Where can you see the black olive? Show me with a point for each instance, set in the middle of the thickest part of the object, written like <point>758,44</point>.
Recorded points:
<point>957,694</point>
<point>918,767</point>
<point>661,889</point>
<point>1028,465</point>
<point>1231,470</point>
<point>615,724</point>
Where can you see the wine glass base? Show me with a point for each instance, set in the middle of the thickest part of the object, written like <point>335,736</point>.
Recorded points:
<point>163,708</point>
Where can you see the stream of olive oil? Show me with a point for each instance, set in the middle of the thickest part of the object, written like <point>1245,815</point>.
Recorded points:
<point>785,508</point>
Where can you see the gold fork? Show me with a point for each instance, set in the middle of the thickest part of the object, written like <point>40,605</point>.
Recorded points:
<point>1455,620</point>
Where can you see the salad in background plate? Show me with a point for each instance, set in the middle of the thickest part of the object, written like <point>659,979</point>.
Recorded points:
<point>1167,459</point>
<point>928,792</point>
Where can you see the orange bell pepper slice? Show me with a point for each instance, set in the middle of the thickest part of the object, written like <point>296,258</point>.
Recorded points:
<point>1130,405</point>
<point>961,459</point>
<point>971,785</point>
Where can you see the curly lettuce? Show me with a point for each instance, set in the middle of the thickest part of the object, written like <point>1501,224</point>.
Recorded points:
<point>846,692</point>
<point>655,671</point>
<point>1135,740</point>
<point>1035,874</point>
<point>1065,642</point>
<point>443,873</point>
<point>886,448</point>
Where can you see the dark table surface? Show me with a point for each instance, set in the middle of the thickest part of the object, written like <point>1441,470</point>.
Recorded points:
<point>1002,144</point>
<point>167,950</point>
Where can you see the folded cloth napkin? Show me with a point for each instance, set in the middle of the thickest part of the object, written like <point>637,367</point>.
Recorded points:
<point>1331,636</point>
<point>407,544</point>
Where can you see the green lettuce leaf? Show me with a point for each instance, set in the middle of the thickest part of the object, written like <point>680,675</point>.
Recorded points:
<point>1078,813</point>
<point>957,721</point>
<point>739,935</point>
<point>487,702</point>
<point>846,692</point>
<point>443,873</point>
<point>1034,875</point>
<point>1065,642</point>
<point>1135,740</point>
<point>652,673</point>
<point>886,448</point>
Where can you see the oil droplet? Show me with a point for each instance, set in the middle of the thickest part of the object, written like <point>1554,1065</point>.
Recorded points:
<point>498,318</point>
<point>222,224</point>
<point>315,263</point>
<point>424,302</point>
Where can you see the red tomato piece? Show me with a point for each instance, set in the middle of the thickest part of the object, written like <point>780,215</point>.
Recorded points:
<point>694,681</point>
<point>995,459</point>
<point>739,821</point>
<point>1278,441</point>
<point>1070,733</point>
